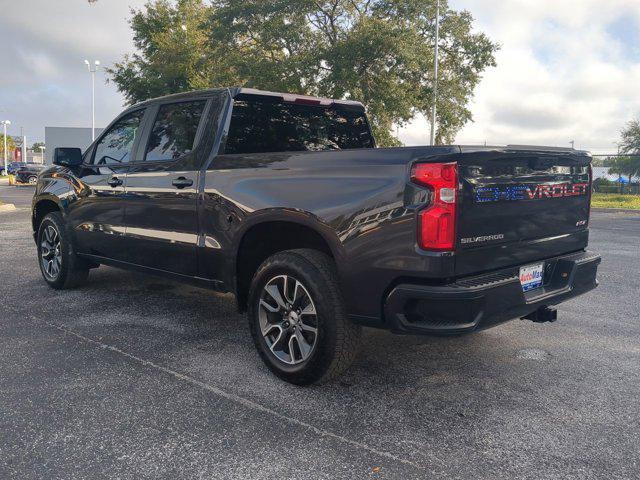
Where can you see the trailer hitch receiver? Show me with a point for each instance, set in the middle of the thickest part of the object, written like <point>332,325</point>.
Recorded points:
<point>543,315</point>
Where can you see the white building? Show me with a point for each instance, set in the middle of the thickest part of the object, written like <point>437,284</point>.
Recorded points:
<point>66,137</point>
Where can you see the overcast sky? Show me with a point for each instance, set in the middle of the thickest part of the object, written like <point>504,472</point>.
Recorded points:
<point>567,70</point>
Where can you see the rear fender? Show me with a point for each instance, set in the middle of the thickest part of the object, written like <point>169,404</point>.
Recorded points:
<point>299,217</point>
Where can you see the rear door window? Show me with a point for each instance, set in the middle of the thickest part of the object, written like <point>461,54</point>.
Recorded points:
<point>269,125</point>
<point>174,131</point>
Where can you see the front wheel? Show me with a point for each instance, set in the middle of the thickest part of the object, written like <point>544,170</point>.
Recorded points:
<point>60,266</point>
<point>298,320</point>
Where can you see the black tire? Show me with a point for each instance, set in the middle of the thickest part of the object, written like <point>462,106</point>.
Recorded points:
<point>71,271</point>
<point>32,180</point>
<point>335,344</point>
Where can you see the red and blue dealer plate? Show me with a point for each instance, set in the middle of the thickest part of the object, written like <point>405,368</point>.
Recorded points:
<point>531,276</point>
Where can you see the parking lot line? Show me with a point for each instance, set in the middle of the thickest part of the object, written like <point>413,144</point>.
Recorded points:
<point>235,398</point>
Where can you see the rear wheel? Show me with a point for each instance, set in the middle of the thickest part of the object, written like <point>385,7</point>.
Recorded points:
<point>297,318</point>
<point>60,266</point>
<point>32,180</point>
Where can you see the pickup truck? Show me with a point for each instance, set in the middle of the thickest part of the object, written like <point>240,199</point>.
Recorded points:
<point>285,201</point>
<point>28,173</point>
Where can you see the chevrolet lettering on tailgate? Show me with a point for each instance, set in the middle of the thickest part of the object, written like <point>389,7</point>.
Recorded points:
<point>530,192</point>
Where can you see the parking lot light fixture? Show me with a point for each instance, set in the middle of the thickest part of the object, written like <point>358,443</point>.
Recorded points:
<point>93,68</point>
<point>42,149</point>
<point>5,123</point>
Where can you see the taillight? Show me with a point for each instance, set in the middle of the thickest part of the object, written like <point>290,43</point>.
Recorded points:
<point>437,222</point>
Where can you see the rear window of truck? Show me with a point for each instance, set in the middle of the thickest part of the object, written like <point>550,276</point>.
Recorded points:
<point>263,125</point>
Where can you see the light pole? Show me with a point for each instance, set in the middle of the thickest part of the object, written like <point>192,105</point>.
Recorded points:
<point>5,123</point>
<point>435,76</point>
<point>93,68</point>
<point>42,148</point>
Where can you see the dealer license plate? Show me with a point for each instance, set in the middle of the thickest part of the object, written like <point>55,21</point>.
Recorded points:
<point>531,276</point>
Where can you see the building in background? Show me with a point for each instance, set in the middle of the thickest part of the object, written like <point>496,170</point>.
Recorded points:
<point>34,157</point>
<point>66,137</point>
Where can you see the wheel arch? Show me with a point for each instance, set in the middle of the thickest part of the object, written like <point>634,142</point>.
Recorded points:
<point>267,234</point>
<point>41,208</point>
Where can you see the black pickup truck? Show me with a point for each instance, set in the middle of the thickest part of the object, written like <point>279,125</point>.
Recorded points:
<point>285,201</point>
<point>28,173</point>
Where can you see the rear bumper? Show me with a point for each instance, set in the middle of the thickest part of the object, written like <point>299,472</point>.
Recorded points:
<point>483,301</point>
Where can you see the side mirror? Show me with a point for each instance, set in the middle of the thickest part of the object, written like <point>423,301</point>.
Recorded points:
<point>67,157</point>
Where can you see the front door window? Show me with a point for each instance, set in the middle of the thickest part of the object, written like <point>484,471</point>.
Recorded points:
<point>115,147</point>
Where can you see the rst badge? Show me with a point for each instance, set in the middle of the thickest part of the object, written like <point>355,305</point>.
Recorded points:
<point>530,192</point>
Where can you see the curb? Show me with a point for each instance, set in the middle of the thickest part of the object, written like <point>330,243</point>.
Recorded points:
<point>614,210</point>
<point>7,207</point>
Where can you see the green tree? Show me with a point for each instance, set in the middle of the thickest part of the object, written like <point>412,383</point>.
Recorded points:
<point>173,51</point>
<point>377,51</point>
<point>627,166</point>
<point>36,147</point>
<point>630,142</point>
<point>629,145</point>
<point>11,146</point>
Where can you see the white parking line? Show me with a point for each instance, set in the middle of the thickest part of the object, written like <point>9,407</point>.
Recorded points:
<point>236,398</point>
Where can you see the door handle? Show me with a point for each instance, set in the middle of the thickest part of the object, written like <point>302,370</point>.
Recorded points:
<point>182,182</point>
<point>114,182</point>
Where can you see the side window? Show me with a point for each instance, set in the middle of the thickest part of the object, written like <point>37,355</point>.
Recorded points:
<point>174,131</point>
<point>115,146</point>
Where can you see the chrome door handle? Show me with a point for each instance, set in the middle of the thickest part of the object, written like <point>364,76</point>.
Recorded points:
<point>182,182</point>
<point>114,182</point>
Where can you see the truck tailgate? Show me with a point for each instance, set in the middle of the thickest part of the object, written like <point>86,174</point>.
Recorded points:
<point>520,206</point>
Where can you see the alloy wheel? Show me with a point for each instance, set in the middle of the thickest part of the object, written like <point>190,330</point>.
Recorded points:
<point>51,252</point>
<point>288,319</point>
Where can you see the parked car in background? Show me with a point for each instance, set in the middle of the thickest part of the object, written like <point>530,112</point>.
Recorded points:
<point>285,201</point>
<point>13,167</point>
<point>28,173</point>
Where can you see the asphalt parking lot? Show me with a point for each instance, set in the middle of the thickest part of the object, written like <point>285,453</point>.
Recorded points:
<point>20,195</point>
<point>136,377</point>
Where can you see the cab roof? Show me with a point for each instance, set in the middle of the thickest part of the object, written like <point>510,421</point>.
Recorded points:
<point>235,91</point>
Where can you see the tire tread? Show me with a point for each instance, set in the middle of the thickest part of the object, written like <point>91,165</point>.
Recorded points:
<point>347,334</point>
<point>76,270</point>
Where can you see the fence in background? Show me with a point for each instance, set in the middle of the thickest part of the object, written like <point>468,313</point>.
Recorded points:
<point>605,182</point>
